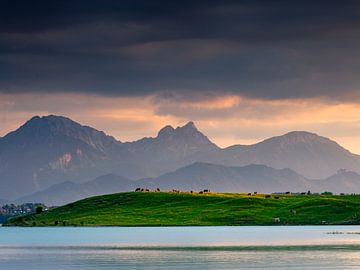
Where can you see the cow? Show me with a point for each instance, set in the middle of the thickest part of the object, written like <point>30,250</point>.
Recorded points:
<point>158,189</point>
<point>249,194</point>
<point>206,190</point>
<point>276,197</point>
<point>201,192</point>
<point>255,192</point>
<point>276,219</point>
<point>267,196</point>
<point>137,189</point>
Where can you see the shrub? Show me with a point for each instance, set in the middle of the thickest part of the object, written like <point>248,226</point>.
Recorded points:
<point>39,210</point>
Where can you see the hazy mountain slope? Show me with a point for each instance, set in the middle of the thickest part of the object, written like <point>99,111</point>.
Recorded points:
<point>48,150</point>
<point>342,182</point>
<point>199,176</point>
<point>306,153</point>
<point>3,201</point>
<point>171,149</point>
<point>68,191</point>
<point>220,178</point>
<point>54,149</point>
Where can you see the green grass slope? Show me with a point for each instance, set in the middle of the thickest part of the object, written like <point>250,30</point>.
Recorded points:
<point>185,209</point>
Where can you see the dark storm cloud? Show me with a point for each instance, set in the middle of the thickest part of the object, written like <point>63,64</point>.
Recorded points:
<point>264,49</point>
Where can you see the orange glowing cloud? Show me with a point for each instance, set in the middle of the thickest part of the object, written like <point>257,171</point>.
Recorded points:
<point>226,119</point>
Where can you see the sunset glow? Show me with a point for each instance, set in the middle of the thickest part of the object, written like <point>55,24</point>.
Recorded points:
<point>226,119</point>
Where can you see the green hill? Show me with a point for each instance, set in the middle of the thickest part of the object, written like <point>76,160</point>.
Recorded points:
<point>185,209</point>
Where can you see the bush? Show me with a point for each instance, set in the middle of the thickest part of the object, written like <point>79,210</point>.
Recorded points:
<point>39,210</point>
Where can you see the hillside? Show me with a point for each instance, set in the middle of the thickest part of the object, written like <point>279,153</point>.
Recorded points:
<point>184,209</point>
<point>171,149</point>
<point>221,178</point>
<point>53,149</point>
<point>308,154</point>
<point>197,176</point>
<point>67,192</point>
<point>50,150</point>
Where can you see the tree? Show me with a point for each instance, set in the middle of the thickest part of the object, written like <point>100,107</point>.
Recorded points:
<point>39,210</point>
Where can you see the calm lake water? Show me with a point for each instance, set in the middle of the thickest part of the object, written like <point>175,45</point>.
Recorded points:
<point>282,247</point>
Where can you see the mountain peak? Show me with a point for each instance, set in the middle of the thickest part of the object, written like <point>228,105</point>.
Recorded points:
<point>188,129</point>
<point>166,131</point>
<point>301,134</point>
<point>49,120</point>
<point>298,137</point>
<point>188,125</point>
<point>46,129</point>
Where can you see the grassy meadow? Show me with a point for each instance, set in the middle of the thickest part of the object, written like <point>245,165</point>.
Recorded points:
<point>210,209</point>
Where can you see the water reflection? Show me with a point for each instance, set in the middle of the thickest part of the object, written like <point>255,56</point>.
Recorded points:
<point>305,247</point>
<point>63,258</point>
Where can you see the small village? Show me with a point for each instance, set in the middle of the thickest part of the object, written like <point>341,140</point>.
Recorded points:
<point>11,210</point>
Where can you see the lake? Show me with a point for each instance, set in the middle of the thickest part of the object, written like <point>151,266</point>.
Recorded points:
<point>248,247</point>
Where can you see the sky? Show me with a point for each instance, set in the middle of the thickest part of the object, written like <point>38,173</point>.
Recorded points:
<point>243,71</point>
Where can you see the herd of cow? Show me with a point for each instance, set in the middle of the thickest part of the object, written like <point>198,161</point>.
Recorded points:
<point>146,190</point>
<point>174,190</point>
<point>202,192</point>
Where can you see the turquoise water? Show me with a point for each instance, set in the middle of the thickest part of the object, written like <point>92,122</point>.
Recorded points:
<point>282,247</point>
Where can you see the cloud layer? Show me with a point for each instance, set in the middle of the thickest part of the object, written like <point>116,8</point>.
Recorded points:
<point>260,49</point>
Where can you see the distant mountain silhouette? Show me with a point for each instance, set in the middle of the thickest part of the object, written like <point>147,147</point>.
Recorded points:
<point>197,176</point>
<point>2,202</point>
<point>49,150</point>
<point>200,176</point>
<point>343,181</point>
<point>306,153</point>
<point>66,192</point>
<point>171,149</point>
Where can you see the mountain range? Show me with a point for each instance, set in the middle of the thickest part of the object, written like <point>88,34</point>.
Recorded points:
<point>56,153</point>
<point>199,176</point>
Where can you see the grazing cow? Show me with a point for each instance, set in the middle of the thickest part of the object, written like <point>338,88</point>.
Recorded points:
<point>249,194</point>
<point>303,193</point>
<point>267,196</point>
<point>142,190</point>
<point>255,192</point>
<point>276,197</point>
<point>138,189</point>
<point>147,190</point>
<point>158,189</point>
<point>206,190</point>
<point>276,219</point>
<point>201,192</point>
<point>288,192</point>
<point>191,192</point>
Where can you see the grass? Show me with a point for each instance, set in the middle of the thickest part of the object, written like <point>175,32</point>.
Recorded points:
<point>185,209</point>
